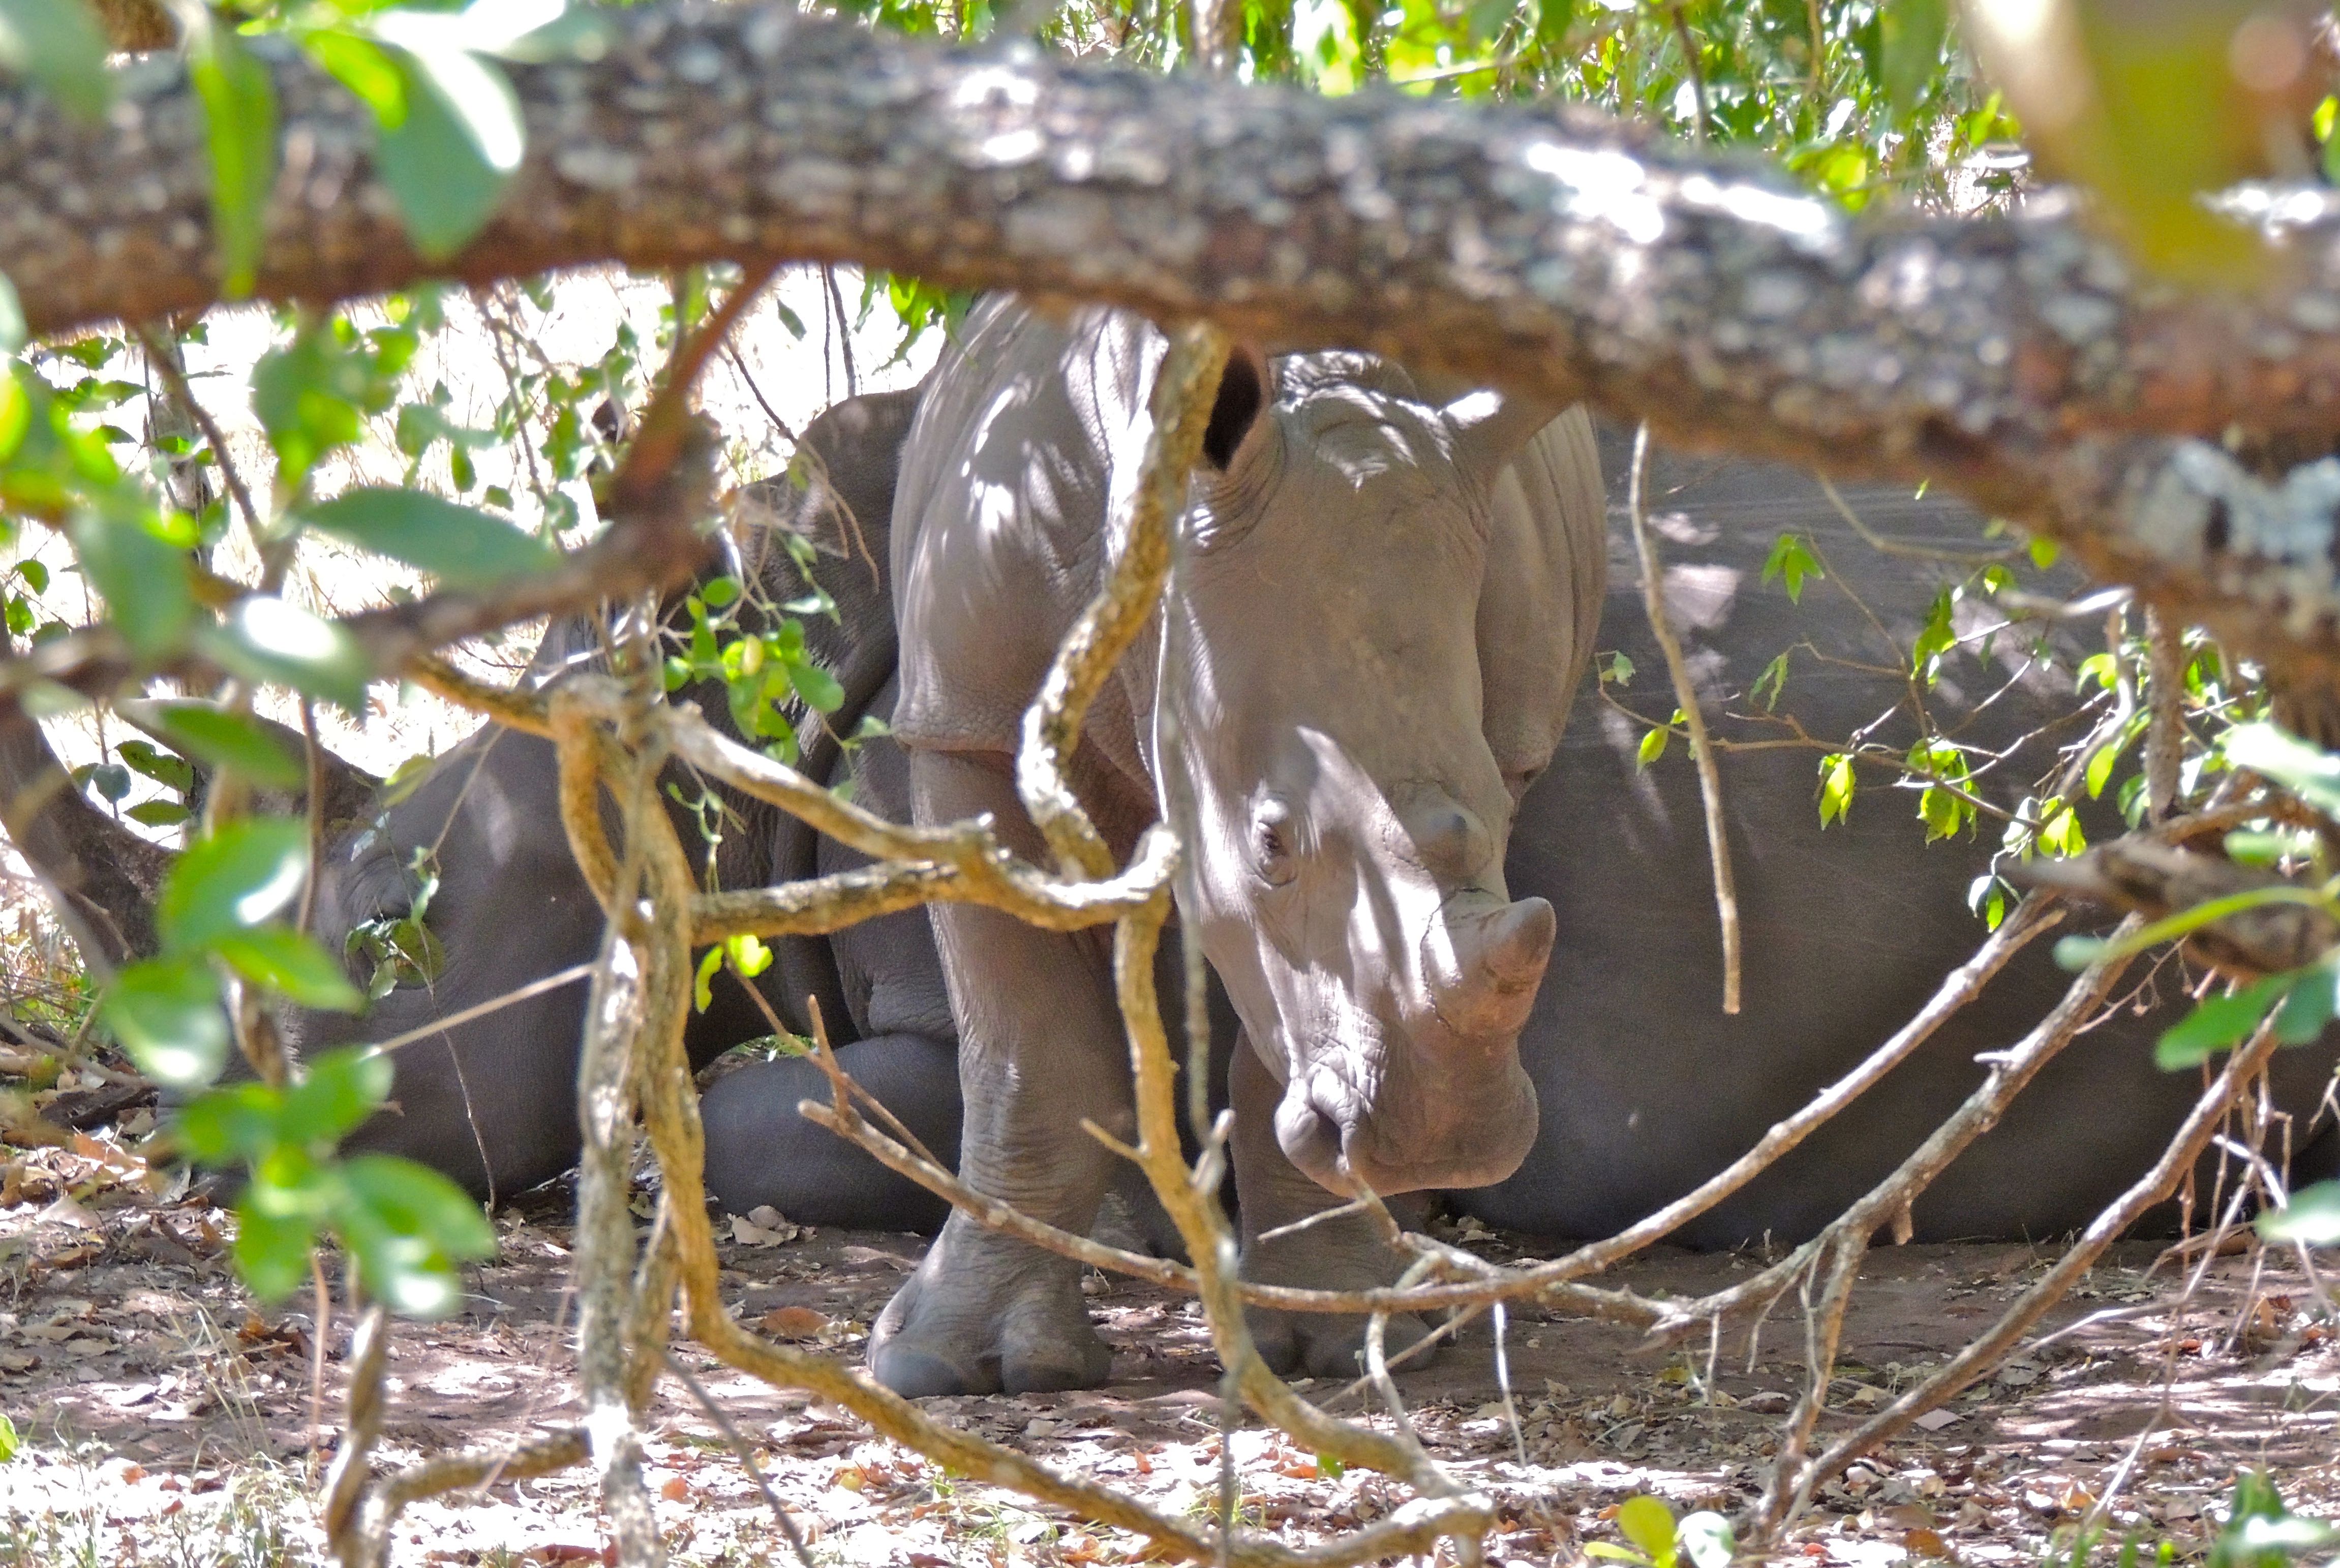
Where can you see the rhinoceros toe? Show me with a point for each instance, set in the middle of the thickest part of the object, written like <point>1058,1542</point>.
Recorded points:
<point>1320,1344</point>
<point>985,1315</point>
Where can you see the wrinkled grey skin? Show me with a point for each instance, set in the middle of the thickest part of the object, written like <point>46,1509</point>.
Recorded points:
<point>1647,1088</point>
<point>491,1102</point>
<point>1357,549</point>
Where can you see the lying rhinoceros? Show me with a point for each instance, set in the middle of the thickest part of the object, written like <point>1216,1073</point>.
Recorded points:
<point>490,1099</point>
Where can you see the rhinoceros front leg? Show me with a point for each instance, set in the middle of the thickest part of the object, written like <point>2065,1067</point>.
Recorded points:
<point>1040,1048</point>
<point>1346,1253</point>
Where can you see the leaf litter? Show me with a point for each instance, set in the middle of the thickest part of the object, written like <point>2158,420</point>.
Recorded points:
<point>166,1417</point>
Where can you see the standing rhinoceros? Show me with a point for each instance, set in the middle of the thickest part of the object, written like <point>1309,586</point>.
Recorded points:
<point>1369,655</point>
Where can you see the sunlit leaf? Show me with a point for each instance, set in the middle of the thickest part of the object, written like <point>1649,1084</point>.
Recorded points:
<point>239,121</point>
<point>460,545</point>
<point>1648,1524</point>
<point>2218,1024</point>
<point>1836,785</point>
<point>223,740</point>
<point>343,1088</point>
<point>2312,1216</point>
<point>249,871</point>
<point>1706,1539</point>
<point>2308,771</point>
<point>450,155</point>
<point>144,580</point>
<point>292,965</point>
<point>167,1013</point>
<point>263,638</point>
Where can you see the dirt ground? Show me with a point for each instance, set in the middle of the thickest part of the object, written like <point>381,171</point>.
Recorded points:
<point>166,1418</point>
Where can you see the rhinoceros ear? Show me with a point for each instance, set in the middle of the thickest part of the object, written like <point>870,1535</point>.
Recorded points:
<point>1244,390</point>
<point>1490,427</point>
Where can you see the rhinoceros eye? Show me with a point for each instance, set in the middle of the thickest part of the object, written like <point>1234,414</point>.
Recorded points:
<point>1273,857</point>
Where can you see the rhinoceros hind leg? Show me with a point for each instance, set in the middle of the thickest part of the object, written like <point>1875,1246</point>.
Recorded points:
<point>760,1151</point>
<point>1346,1254</point>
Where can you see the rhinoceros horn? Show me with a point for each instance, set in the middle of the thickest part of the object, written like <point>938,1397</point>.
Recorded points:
<point>1498,956</point>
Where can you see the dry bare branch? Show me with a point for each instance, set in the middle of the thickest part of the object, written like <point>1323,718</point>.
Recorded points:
<point>1694,712</point>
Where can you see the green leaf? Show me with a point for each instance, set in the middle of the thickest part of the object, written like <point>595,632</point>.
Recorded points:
<point>1912,32</point>
<point>2218,1024</point>
<point>2308,771</point>
<point>240,120</point>
<point>167,1013</point>
<point>702,984</point>
<point>247,872</point>
<point>1707,1540</point>
<point>271,1249</point>
<point>365,68</point>
<point>460,545</point>
<point>817,686</point>
<point>1648,1524</point>
<point>230,1123</point>
<point>1775,677</point>
<point>59,45</point>
<point>424,1203</point>
<point>406,1224</point>
<point>2308,1006</point>
<point>748,955</point>
<point>264,639</point>
<point>8,1440</point>
<point>1554,18</point>
<point>1791,561</point>
<point>2312,1216</point>
<point>36,575</point>
<point>293,965</point>
<point>449,157</point>
<point>1837,786</point>
<point>144,580</point>
<point>159,813</point>
<point>1936,638</point>
<point>1654,746</point>
<point>343,1088</point>
<point>170,771</point>
<point>225,739</point>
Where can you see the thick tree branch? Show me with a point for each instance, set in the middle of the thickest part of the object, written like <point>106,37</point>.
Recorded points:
<point>1554,252</point>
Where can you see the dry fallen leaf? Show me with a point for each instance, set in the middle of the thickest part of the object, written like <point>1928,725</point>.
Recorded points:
<point>763,1225</point>
<point>793,1323</point>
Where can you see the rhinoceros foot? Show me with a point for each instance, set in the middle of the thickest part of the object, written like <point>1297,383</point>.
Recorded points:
<point>985,1314</point>
<point>1338,1255</point>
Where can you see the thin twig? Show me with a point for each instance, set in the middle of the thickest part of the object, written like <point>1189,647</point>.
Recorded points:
<point>2164,731</point>
<point>165,363</point>
<point>1986,1351</point>
<point>746,1452</point>
<point>1686,697</point>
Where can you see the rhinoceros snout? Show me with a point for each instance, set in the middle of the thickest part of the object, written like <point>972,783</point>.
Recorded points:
<point>1479,1137</point>
<point>1494,960</point>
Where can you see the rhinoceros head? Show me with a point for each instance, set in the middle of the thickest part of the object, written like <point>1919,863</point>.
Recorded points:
<point>1326,720</point>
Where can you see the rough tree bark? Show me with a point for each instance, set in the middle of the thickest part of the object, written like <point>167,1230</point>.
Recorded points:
<point>2018,359</point>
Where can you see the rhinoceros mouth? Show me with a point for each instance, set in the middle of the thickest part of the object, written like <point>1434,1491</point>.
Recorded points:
<point>1345,1147</point>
